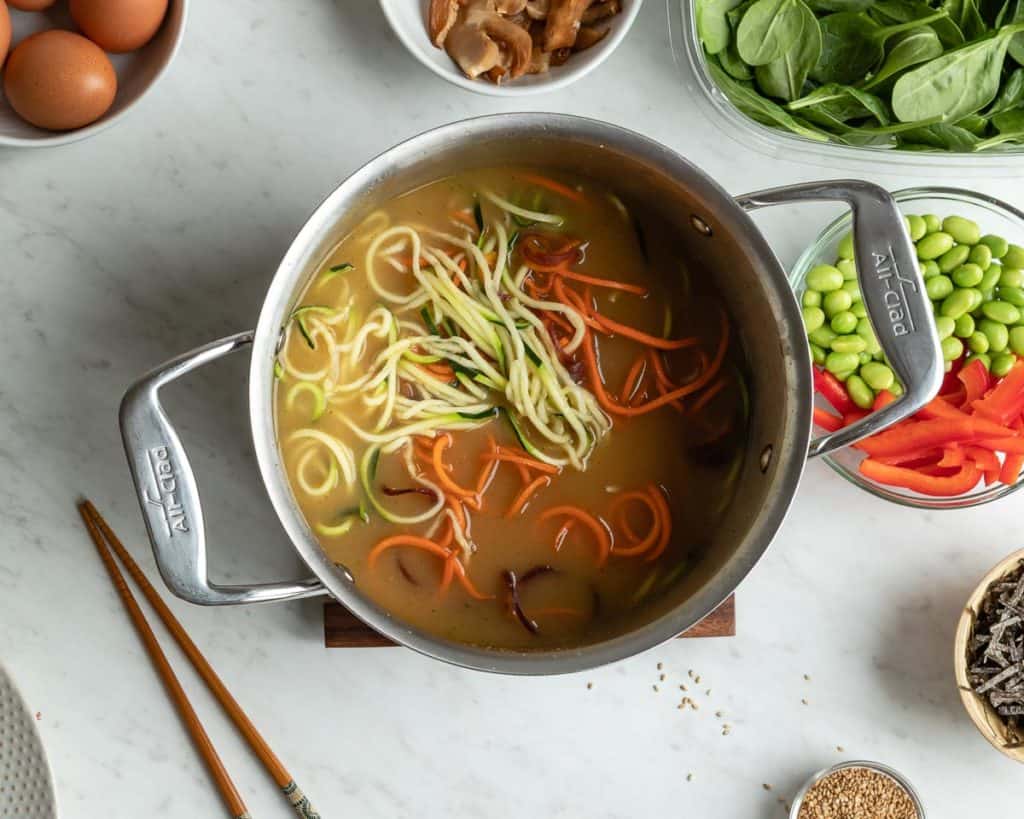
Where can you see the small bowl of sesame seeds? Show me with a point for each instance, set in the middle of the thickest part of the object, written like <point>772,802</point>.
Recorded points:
<point>857,790</point>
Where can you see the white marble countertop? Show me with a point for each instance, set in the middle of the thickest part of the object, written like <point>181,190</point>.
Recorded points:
<point>162,234</point>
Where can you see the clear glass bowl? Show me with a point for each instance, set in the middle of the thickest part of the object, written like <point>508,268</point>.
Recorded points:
<point>878,767</point>
<point>689,56</point>
<point>994,216</point>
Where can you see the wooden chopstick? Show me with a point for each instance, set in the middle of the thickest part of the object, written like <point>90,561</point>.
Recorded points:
<point>296,798</point>
<point>232,798</point>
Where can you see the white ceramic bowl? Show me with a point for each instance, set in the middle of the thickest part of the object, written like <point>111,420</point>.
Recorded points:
<point>408,19</point>
<point>137,72</point>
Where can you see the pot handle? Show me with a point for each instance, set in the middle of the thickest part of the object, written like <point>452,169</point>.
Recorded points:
<point>168,492</point>
<point>893,292</point>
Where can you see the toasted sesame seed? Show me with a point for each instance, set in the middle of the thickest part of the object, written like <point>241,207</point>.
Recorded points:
<point>697,679</point>
<point>726,729</point>
<point>661,677</point>
<point>840,748</point>
<point>589,685</point>
<point>708,692</point>
<point>689,777</point>
<point>805,702</point>
<point>719,714</point>
<point>807,677</point>
<point>766,786</point>
<point>683,687</point>
<point>660,666</point>
<point>694,705</point>
<point>690,672</point>
<point>654,687</point>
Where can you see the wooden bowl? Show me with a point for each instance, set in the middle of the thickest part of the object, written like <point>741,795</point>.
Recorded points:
<point>983,715</point>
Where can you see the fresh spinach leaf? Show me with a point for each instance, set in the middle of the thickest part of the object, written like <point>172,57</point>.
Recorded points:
<point>886,12</point>
<point>967,17</point>
<point>1011,95</point>
<point>713,24</point>
<point>975,123</point>
<point>1010,127</point>
<point>759,108</point>
<point>853,45</point>
<point>841,103</point>
<point>940,135</point>
<point>785,77</point>
<point>908,49</point>
<point>1016,15</point>
<point>828,6</point>
<point>769,29</point>
<point>733,65</point>
<point>956,84</point>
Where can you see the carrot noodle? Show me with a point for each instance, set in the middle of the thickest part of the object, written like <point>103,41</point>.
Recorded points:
<point>487,473</point>
<point>443,441</point>
<point>562,533</point>
<point>447,574</point>
<point>600,529</point>
<point>633,379</point>
<point>405,540</point>
<point>522,457</point>
<point>611,284</point>
<point>707,396</point>
<point>640,545</point>
<point>524,473</point>
<point>467,584</point>
<point>646,338</point>
<point>552,185</point>
<point>524,496</point>
<point>666,522</point>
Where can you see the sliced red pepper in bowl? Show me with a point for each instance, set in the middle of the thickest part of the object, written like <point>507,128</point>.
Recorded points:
<point>1005,402</point>
<point>962,480</point>
<point>832,390</point>
<point>976,380</point>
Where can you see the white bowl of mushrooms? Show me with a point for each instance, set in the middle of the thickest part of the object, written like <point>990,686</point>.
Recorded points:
<point>511,48</point>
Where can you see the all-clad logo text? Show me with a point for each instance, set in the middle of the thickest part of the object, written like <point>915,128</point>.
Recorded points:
<point>894,295</point>
<point>165,496</point>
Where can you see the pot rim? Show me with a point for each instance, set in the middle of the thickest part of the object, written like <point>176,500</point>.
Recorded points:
<point>291,277</point>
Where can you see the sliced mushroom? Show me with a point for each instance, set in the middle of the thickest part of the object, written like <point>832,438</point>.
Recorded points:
<point>589,36</point>
<point>443,15</point>
<point>537,9</point>
<point>601,11</point>
<point>482,40</point>
<point>564,18</point>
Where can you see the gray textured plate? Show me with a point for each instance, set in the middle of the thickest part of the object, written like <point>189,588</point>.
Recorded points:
<point>26,784</point>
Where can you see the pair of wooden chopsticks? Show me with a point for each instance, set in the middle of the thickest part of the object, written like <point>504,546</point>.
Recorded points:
<point>102,535</point>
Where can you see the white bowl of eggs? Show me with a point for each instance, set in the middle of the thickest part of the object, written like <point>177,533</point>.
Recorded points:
<point>511,48</point>
<point>72,68</point>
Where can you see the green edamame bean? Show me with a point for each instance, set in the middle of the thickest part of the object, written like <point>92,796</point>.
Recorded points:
<point>837,363</point>
<point>848,268</point>
<point>952,348</point>
<point>814,317</point>
<point>1002,364</point>
<point>929,268</point>
<point>938,287</point>
<point>823,337</point>
<point>981,255</point>
<point>957,303</point>
<point>843,323</point>
<point>963,230</point>
<point>836,302</point>
<point>982,357</point>
<point>853,289</point>
<point>934,245</point>
<point>896,388</point>
<point>968,275</point>
<point>964,326</point>
<point>1014,256</point>
<point>978,342</point>
<point>991,277</point>
<point>877,376</point>
<point>997,244</point>
<point>845,248</point>
<point>997,334</point>
<point>944,326</point>
<point>844,375</point>
<point>824,278</point>
<point>849,344</point>
<point>947,366</point>
<point>865,329</point>
<point>977,297</point>
<point>811,298</point>
<point>953,258</point>
<point>859,310</point>
<point>1014,295</point>
<point>1017,340</point>
<point>865,358</point>
<point>915,227</point>
<point>932,223</point>
<point>1011,277</point>
<point>1001,311</point>
<point>860,392</point>
<point>817,355</point>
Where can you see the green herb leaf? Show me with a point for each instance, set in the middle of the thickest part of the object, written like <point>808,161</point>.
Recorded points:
<point>713,27</point>
<point>785,76</point>
<point>769,29</point>
<point>907,50</point>
<point>887,12</point>
<point>841,103</point>
<point>1011,95</point>
<point>956,84</point>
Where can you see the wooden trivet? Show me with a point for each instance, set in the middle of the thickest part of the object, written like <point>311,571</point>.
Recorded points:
<point>342,629</point>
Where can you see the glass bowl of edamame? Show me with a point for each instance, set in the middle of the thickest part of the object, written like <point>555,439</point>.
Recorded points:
<point>978,301</point>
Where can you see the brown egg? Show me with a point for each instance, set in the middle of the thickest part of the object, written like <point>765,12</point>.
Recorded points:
<point>31,5</point>
<point>59,80</point>
<point>119,25</point>
<point>5,31</point>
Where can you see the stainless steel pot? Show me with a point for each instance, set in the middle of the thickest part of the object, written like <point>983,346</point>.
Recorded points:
<point>715,235</point>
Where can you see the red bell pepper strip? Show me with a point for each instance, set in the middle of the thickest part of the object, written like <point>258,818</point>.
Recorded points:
<point>915,460</point>
<point>1006,400</point>
<point>938,432</point>
<point>950,382</point>
<point>986,460</point>
<point>952,456</point>
<point>976,381</point>
<point>883,399</point>
<point>832,390</point>
<point>963,480</point>
<point>940,408</point>
<point>853,416</point>
<point>826,420</point>
<point>1011,468</point>
<point>1014,446</point>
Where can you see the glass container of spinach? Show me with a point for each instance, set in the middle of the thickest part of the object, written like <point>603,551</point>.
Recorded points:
<point>932,77</point>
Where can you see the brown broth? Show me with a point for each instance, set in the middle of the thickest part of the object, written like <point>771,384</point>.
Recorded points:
<point>690,454</point>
